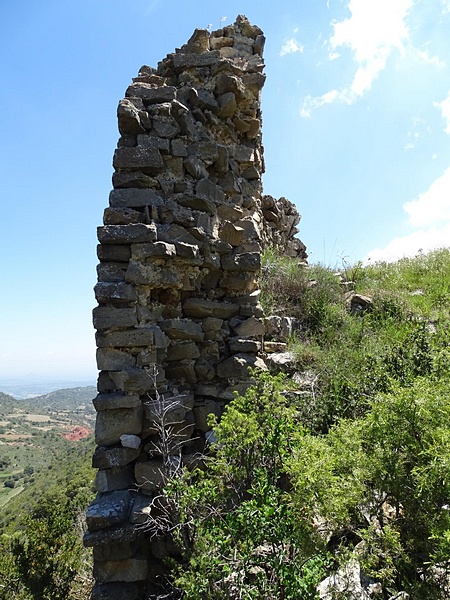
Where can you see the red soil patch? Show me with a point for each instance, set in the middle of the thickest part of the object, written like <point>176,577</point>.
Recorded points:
<point>76,433</point>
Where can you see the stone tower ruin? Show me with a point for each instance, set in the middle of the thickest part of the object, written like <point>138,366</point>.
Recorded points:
<point>178,318</point>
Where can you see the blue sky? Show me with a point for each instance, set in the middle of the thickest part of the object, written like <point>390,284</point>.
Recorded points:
<point>356,130</point>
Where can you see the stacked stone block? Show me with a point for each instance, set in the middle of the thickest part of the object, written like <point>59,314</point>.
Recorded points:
<point>178,319</point>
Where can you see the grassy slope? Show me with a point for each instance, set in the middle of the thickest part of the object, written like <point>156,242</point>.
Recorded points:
<point>353,356</point>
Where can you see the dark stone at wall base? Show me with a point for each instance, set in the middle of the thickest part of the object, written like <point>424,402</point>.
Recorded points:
<point>116,591</point>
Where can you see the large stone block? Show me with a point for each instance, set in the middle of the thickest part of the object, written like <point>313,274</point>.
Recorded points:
<point>128,570</point>
<point>151,94</point>
<point>106,317</point>
<point>134,198</point>
<point>249,261</point>
<point>166,128</point>
<point>237,366</point>
<point>208,190</point>
<point>182,329</point>
<point>182,371</point>
<point>206,151</point>
<point>195,167</point>
<point>150,476</point>
<point>205,59</point>
<point>251,327</point>
<point>188,251</point>
<point>107,510</point>
<point>128,338</point>
<point>140,381</point>
<point>202,410</point>
<point>115,591</point>
<point>238,345</point>
<point>231,234</point>
<point>143,159</point>
<point>116,478</point>
<point>111,359</point>
<point>143,507</point>
<point>182,351</point>
<point>201,308</point>
<point>115,293</point>
<point>154,142</point>
<point>111,271</point>
<point>111,424</point>
<point>113,253</point>
<point>127,234</point>
<point>171,233</point>
<point>239,282</point>
<point>114,401</point>
<point>122,534</point>
<point>133,179</point>
<point>123,215</point>
<point>114,552</point>
<point>106,457</point>
<point>155,249</point>
<point>166,412</point>
<point>228,105</point>
<point>129,118</point>
<point>163,275</point>
<point>196,203</point>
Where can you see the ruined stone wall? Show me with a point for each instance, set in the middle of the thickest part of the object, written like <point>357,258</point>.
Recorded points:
<point>178,319</point>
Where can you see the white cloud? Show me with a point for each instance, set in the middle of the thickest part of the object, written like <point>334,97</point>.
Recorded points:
<point>310,103</point>
<point>419,127</point>
<point>429,214</point>
<point>431,60</point>
<point>423,240</point>
<point>445,6</point>
<point>433,206</point>
<point>445,111</point>
<point>290,47</point>
<point>373,31</point>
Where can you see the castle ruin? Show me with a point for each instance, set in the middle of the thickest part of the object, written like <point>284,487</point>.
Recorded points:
<point>178,319</point>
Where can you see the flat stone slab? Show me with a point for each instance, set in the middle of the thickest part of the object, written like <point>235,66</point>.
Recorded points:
<point>113,401</point>
<point>115,591</point>
<point>108,510</point>
<point>237,366</point>
<point>182,329</point>
<point>106,457</point>
<point>111,424</point>
<point>200,308</point>
<point>127,234</point>
<point>132,197</point>
<point>128,570</point>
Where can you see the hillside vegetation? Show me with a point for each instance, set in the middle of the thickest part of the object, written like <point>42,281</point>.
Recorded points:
<point>339,469</point>
<point>34,433</point>
<point>334,473</point>
<point>46,484</point>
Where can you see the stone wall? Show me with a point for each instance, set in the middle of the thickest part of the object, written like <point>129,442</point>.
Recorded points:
<point>178,319</point>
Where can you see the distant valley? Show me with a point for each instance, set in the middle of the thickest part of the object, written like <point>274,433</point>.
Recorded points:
<point>35,431</point>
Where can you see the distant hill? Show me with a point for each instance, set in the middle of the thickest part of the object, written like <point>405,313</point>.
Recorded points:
<point>67,399</point>
<point>7,403</point>
<point>35,431</point>
<point>24,388</point>
<point>78,399</point>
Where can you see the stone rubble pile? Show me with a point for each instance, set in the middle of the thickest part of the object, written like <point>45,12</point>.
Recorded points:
<point>178,319</point>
